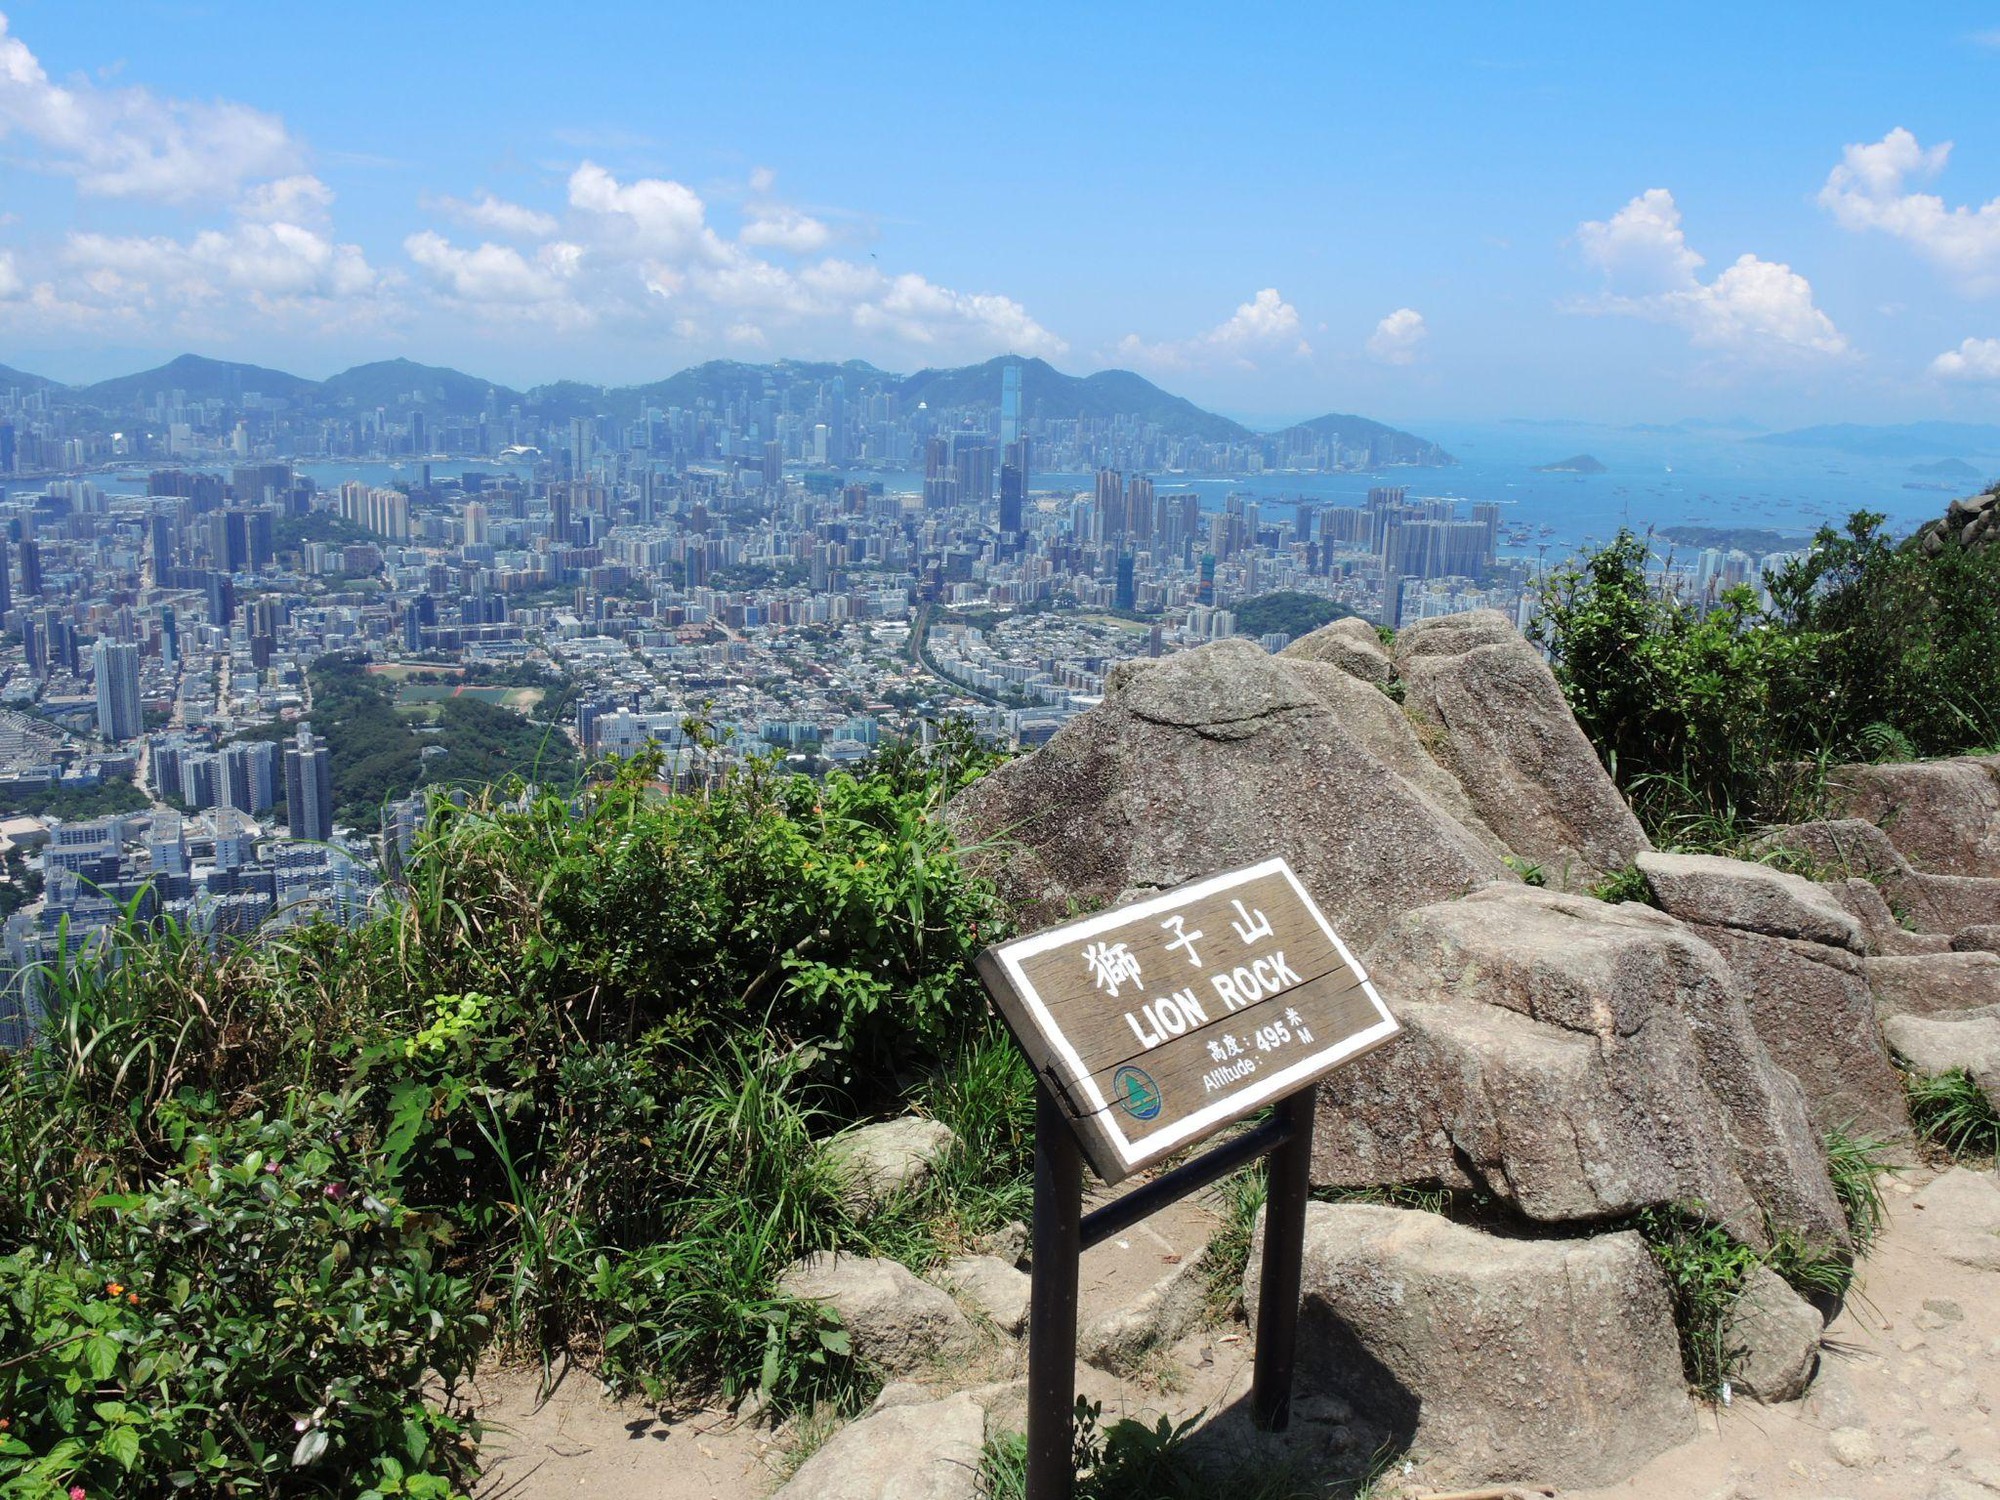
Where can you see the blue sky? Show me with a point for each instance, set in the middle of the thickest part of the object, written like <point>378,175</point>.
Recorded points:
<point>1457,211</point>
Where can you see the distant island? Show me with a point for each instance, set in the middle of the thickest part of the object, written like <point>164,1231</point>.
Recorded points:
<point>1755,540</point>
<point>1949,468</point>
<point>1582,463</point>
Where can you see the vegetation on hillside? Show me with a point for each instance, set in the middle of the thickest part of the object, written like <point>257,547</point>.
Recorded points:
<point>1286,612</point>
<point>114,794</point>
<point>260,1207</point>
<point>1713,720</point>
<point>377,754</point>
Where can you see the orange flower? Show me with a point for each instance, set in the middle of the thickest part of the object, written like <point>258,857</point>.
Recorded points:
<point>113,1289</point>
<point>133,1298</point>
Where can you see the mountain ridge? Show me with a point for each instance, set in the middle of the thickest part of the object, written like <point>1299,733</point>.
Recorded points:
<point>1045,392</point>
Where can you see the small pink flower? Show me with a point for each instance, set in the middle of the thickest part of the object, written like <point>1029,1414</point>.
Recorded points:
<point>335,1190</point>
<point>270,1166</point>
<point>77,1492</point>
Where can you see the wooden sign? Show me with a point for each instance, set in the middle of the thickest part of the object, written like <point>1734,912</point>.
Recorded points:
<point>1158,1023</point>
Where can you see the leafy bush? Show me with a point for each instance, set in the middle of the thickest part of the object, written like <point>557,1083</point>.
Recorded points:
<point>1717,717</point>
<point>569,1093</point>
<point>267,1318</point>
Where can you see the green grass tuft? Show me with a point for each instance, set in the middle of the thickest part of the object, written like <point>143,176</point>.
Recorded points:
<point>1952,1114</point>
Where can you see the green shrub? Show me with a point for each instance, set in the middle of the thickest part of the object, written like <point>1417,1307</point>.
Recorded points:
<point>267,1318</point>
<point>1624,885</point>
<point>1129,1460</point>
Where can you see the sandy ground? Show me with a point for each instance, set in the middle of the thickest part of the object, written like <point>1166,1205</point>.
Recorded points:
<point>1903,1406</point>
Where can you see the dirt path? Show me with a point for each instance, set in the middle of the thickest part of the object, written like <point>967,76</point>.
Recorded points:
<point>1904,1404</point>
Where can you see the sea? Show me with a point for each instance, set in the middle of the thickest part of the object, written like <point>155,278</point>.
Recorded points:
<point>1654,477</point>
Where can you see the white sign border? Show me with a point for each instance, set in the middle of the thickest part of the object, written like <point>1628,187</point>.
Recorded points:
<point>1131,1153</point>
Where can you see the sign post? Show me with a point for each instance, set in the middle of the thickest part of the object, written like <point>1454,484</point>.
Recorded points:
<point>1150,1028</point>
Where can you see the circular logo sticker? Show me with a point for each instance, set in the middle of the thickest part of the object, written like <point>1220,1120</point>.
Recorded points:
<point>1134,1091</point>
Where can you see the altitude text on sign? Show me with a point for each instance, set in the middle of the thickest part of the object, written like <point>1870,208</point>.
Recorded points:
<point>1161,1022</point>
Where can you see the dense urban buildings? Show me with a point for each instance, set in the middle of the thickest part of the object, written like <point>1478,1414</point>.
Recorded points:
<point>806,561</point>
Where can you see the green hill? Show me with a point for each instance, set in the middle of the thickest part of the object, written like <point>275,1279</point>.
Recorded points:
<point>1047,392</point>
<point>201,380</point>
<point>403,382</point>
<point>22,380</point>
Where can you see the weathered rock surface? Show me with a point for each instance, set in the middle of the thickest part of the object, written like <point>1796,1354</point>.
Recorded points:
<point>1960,1214</point>
<point>878,1161</point>
<point>1119,1340</point>
<point>1794,951</point>
<point>1756,898</point>
<point>1929,902</point>
<point>993,1286</point>
<point>1943,1044</point>
<point>1498,722</point>
<point>894,1320</point>
<point>1772,1335</point>
<point>1943,816</point>
<point>1499,1360</point>
<point>1578,1061</point>
<point>1864,902</point>
<point>924,1451</point>
<point>1935,984</point>
<point>1351,645</point>
<point>1213,758</point>
<point>1984,938</point>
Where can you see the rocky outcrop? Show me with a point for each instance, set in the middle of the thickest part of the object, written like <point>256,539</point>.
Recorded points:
<point>1968,1042</point>
<point>1863,901</point>
<point>1120,1338</point>
<point>1943,816</point>
<point>1943,984</point>
<point>894,1321</point>
<point>922,1451</point>
<point>1771,1337</point>
<point>1971,522</point>
<point>1851,848</point>
<point>1213,758</point>
<point>993,1286</point>
<point>1578,1062</point>
<point>1499,1360</point>
<point>1796,954</point>
<point>875,1162</point>
<point>1491,711</point>
<point>1960,1214</point>
<point>1350,644</point>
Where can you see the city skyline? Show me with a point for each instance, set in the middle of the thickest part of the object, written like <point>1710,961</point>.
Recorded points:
<point>1284,217</point>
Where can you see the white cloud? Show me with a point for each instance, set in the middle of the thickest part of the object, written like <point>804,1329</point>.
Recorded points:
<point>289,200</point>
<point>130,143</point>
<point>1868,190</point>
<point>778,228</point>
<point>1267,324</point>
<point>275,267</point>
<point>1975,359</point>
<point>1398,337</point>
<point>494,215</point>
<point>644,255</point>
<point>499,281</point>
<point>1754,309</point>
<point>11,284</point>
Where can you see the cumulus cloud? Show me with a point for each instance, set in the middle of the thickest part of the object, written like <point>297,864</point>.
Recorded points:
<point>1975,359</point>
<point>1265,325</point>
<point>498,280</point>
<point>11,284</point>
<point>643,253</point>
<point>1754,309</point>
<point>1398,337</point>
<point>512,221</point>
<point>777,228</point>
<point>1869,189</point>
<point>131,143</point>
<point>279,269</point>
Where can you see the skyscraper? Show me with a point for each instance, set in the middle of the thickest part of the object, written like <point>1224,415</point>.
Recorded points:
<point>6,588</point>
<point>31,570</point>
<point>119,715</point>
<point>1010,406</point>
<point>309,787</point>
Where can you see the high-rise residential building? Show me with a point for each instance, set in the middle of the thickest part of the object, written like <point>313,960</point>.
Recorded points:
<point>972,468</point>
<point>31,569</point>
<point>6,587</point>
<point>119,714</point>
<point>309,787</point>
<point>1010,405</point>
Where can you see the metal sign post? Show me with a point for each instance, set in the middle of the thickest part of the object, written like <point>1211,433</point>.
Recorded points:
<point>1152,1027</point>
